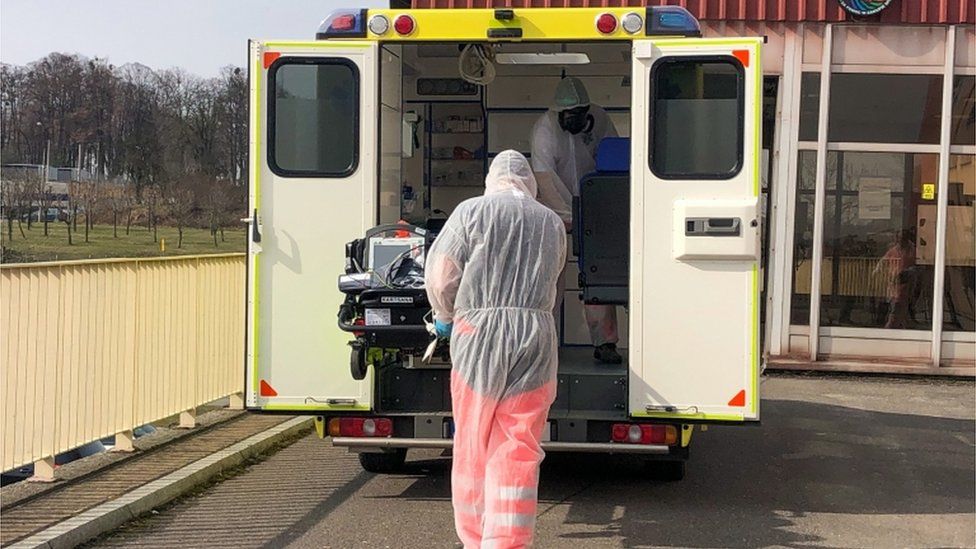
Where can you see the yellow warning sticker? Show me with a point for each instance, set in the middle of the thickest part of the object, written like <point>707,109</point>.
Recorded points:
<point>928,191</point>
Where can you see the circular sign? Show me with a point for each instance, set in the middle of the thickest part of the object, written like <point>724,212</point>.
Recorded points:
<point>864,7</point>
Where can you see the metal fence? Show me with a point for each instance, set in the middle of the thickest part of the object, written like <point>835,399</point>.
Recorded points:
<point>91,349</point>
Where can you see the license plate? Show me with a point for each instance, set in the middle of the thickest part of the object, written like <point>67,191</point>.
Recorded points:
<point>378,317</point>
<point>546,431</point>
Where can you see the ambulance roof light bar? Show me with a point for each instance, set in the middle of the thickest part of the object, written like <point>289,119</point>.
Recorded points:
<point>671,21</point>
<point>660,21</point>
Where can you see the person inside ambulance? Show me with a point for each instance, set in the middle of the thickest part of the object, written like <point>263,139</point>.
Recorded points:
<point>491,281</point>
<point>564,144</point>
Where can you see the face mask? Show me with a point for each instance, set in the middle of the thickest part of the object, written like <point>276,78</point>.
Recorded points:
<point>575,120</point>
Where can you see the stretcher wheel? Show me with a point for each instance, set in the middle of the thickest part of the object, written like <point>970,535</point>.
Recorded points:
<point>357,362</point>
<point>387,462</point>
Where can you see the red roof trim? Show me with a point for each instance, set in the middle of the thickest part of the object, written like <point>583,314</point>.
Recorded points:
<point>932,12</point>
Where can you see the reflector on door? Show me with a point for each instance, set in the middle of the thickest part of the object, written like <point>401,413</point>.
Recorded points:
<point>267,390</point>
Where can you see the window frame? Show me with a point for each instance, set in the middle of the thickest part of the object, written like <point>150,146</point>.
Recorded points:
<point>741,92</point>
<point>272,116</point>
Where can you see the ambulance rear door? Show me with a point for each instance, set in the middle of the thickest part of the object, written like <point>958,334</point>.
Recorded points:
<point>313,134</point>
<point>694,270</point>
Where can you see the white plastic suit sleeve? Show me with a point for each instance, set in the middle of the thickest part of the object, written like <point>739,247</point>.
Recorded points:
<point>445,265</point>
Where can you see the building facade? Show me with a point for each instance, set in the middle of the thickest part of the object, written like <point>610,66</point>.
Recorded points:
<point>869,177</point>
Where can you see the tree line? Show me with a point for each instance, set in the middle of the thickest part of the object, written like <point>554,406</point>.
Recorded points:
<point>154,146</point>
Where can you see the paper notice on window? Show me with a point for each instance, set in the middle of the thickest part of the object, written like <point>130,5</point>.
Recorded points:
<point>874,198</point>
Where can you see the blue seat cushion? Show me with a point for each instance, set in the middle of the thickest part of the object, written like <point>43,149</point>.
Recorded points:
<point>613,155</point>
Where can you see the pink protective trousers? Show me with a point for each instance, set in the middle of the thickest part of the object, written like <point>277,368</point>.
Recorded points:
<point>495,474</point>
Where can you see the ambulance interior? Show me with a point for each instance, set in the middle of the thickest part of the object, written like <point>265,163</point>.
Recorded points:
<point>439,133</point>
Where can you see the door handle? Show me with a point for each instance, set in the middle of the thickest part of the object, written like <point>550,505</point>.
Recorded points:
<point>253,221</point>
<point>713,226</point>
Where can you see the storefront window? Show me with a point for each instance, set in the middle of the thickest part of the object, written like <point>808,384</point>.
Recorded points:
<point>879,240</point>
<point>960,271</point>
<point>809,105</point>
<point>963,114</point>
<point>885,108</point>
<point>803,234</point>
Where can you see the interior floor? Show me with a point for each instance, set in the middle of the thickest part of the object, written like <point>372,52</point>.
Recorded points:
<point>578,360</point>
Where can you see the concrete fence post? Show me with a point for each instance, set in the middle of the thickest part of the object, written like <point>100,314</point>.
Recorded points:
<point>124,441</point>
<point>43,470</point>
<point>188,418</point>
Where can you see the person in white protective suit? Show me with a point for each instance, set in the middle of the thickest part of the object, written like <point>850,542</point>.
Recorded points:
<point>564,143</point>
<point>491,279</point>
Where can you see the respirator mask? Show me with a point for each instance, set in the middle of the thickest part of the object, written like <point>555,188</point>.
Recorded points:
<point>576,120</point>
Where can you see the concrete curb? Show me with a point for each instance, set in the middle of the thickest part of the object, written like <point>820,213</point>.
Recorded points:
<point>112,514</point>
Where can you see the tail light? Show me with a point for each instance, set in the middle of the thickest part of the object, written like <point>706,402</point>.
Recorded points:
<point>359,322</point>
<point>404,25</point>
<point>360,427</point>
<point>644,433</point>
<point>606,23</point>
<point>378,25</point>
<point>632,23</point>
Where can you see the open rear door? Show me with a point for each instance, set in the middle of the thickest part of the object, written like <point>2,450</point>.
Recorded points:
<point>694,279</point>
<point>313,131</point>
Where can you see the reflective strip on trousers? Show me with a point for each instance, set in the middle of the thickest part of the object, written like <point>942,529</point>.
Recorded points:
<point>517,493</point>
<point>510,520</point>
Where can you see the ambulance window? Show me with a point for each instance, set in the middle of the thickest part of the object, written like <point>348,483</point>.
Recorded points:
<point>696,118</point>
<point>313,117</point>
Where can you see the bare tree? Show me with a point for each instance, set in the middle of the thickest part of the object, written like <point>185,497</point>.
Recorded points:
<point>152,198</point>
<point>181,203</point>
<point>129,203</point>
<point>114,197</point>
<point>16,200</point>
<point>89,195</point>
<point>45,202</point>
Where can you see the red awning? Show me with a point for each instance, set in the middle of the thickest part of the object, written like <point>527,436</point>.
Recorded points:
<point>899,11</point>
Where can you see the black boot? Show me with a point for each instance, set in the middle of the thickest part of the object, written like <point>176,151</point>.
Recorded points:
<point>607,354</point>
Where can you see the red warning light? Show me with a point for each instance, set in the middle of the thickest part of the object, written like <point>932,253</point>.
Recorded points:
<point>606,23</point>
<point>344,22</point>
<point>404,25</point>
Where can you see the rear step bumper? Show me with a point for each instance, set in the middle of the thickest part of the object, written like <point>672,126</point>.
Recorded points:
<point>356,443</point>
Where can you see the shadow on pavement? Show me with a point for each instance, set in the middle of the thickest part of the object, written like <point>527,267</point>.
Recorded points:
<point>746,486</point>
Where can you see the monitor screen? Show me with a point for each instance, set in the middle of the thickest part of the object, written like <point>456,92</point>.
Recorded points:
<point>384,252</point>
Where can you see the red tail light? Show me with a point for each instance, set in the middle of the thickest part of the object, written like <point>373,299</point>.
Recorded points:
<point>606,23</point>
<point>644,433</point>
<point>360,427</point>
<point>359,322</point>
<point>403,24</point>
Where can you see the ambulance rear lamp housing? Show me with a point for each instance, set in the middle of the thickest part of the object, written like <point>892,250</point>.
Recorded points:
<point>644,433</point>
<point>379,24</point>
<point>404,25</point>
<point>606,23</point>
<point>360,427</point>
<point>343,24</point>
<point>632,23</point>
<point>671,21</point>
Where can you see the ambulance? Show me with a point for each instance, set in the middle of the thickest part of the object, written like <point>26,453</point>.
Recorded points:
<point>393,116</point>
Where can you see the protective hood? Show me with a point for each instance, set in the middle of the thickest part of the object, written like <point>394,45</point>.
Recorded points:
<point>570,94</point>
<point>510,171</point>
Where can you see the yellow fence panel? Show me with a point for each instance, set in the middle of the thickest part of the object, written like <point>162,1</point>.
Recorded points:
<point>95,348</point>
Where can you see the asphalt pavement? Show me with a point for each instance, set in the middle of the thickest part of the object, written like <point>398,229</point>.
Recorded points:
<point>836,462</point>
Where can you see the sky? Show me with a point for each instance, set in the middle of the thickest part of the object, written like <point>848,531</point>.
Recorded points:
<point>200,36</point>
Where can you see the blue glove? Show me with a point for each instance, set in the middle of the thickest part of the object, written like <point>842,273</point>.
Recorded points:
<point>443,329</point>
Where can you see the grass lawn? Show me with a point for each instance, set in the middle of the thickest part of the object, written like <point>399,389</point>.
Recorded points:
<point>101,243</point>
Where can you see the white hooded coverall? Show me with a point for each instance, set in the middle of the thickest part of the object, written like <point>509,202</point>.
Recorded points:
<point>561,159</point>
<point>492,271</point>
